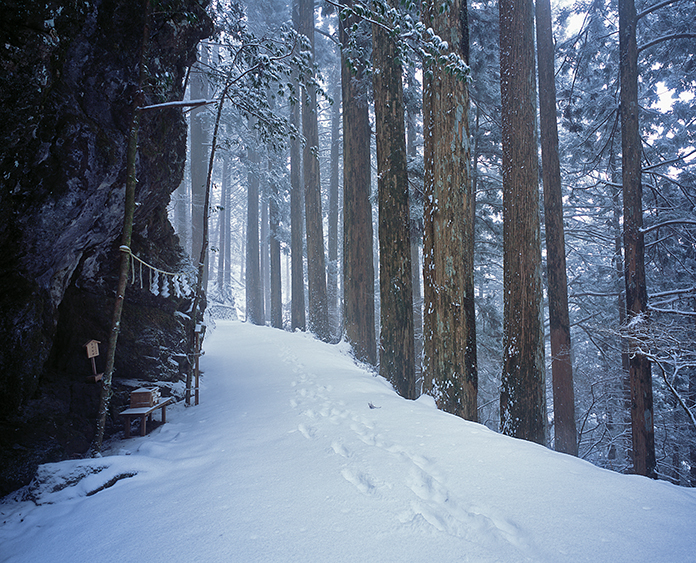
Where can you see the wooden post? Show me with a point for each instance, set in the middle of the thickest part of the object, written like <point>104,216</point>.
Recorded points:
<point>200,331</point>
<point>92,352</point>
<point>197,368</point>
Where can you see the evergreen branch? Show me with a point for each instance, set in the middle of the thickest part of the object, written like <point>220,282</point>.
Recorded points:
<point>687,291</point>
<point>178,104</point>
<point>651,9</point>
<point>665,223</point>
<point>673,311</point>
<point>676,394</point>
<point>666,38</point>
<point>677,159</point>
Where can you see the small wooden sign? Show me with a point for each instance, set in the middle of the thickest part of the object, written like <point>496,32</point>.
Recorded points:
<point>92,348</point>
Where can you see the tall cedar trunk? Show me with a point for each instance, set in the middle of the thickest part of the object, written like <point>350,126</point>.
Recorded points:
<point>416,233</point>
<point>332,272</point>
<point>634,245</point>
<point>264,252</point>
<point>565,432</point>
<point>227,279</point>
<point>223,225</point>
<point>522,397</point>
<point>297,285</point>
<point>254,285</point>
<point>316,264</point>
<point>692,447</point>
<point>396,346</point>
<point>625,384</point>
<point>449,362</point>
<point>358,265</point>
<point>242,251</point>
<point>199,153</point>
<point>274,243</point>
<point>182,212</point>
<point>297,307</point>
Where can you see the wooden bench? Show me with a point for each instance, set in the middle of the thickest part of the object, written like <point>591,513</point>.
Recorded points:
<point>145,414</point>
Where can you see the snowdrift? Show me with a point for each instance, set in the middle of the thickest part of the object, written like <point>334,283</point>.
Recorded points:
<point>298,454</point>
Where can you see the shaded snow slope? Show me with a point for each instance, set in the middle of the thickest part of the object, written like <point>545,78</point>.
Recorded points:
<point>285,460</point>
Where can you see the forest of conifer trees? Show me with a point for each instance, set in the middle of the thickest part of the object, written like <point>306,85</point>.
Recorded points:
<point>519,244</point>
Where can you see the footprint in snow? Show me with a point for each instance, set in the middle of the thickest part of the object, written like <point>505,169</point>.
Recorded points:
<point>360,480</point>
<point>307,431</point>
<point>340,449</point>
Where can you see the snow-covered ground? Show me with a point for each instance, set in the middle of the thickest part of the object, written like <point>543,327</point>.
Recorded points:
<point>297,454</point>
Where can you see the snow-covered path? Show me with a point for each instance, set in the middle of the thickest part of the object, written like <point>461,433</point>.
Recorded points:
<point>286,460</point>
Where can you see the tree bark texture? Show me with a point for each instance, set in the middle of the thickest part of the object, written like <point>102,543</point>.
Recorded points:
<point>223,225</point>
<point>634,246</point>
<point>332,270</point>
<point>297,297</point>
<point>396,348</point>
<point>126,236</point>
<point>199,153</point>
<point>565,432</point>
<point>227,226</point>
<point>412,114</point>
<point>318,320</point>
<point>264,249</point>
<point>449,363</point>
<point>274,243</point>
<point>523,397</point>
<point>254,284</point>
<point>358,265</point>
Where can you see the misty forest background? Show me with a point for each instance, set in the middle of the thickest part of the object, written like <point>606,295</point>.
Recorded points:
<point>257,244</point>
<point>492,203</point>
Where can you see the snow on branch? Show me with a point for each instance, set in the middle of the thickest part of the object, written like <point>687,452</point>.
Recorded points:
<point>667,346</point>
<point>651,9</point>
<point>663,163</point>
<point>178,104</point>
<point>666,38</point>
<point>687,291</point>
<point>666,223</point>
<point>673,311</point>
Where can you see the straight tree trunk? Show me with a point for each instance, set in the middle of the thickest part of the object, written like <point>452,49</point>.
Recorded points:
<point>643,433</point>
<point>264,250</point>
<point>254,284</point>
<point>449,362</point>
<point>223,226</point>
<point>358,265</point>
<point>126,235</point>
<point>416,234</point>
<point>692,447</point>
<point>565,432</point>
<point>274,244</point>
<point>227,279</point>
<point>523,390</point>
<point>624,387</point>
<point>332,271</point>
<point>316,262</point>
<point>199,153</point>
<point>182,211</point>
<point>201,281</point>
<point>297,307</point>
<point>396,348</point>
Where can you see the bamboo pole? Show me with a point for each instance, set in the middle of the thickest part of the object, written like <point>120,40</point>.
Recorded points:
<point>128,215</point>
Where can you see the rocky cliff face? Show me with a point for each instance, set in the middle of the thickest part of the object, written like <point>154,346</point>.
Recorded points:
<point>68,75</point>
